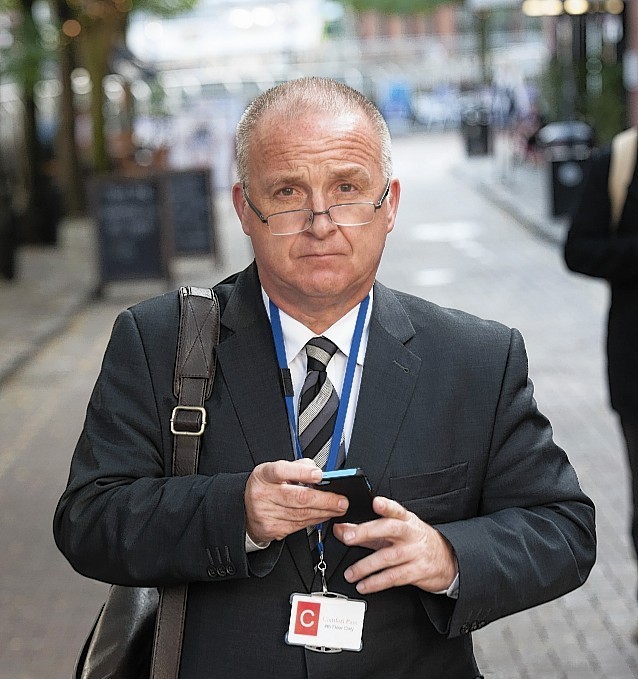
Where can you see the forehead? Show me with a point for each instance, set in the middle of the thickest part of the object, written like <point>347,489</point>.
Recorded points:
<point>318,139</point>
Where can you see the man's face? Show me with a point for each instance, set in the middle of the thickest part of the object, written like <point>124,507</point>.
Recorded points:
<point>318,161</point>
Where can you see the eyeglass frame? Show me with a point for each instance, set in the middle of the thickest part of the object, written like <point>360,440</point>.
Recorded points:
<point>313,213</point>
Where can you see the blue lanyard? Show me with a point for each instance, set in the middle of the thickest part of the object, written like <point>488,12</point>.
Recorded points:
<point>346,388</point>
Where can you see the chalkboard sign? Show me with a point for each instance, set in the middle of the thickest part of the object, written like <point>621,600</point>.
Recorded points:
<point>130,228</point>
<point>189,211</point>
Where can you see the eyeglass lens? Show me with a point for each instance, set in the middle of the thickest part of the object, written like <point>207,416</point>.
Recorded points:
<point>353,214</point>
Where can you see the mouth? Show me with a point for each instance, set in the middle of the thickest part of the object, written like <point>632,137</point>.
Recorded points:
<point>322,255</point>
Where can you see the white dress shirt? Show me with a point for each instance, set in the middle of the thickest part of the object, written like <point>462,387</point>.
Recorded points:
<point>296,335</point>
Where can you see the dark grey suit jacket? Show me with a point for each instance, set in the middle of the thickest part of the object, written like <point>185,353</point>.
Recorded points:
<point>446,424</point>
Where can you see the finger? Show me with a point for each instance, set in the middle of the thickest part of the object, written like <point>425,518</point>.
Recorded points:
<point>314,501</point>
<point>308,461</point>
<point>285,471</point>
<point>374,534</point>
<point>388,557</point>
<point>397,576</point>
<point>391,509</point>
<point>396,523</point>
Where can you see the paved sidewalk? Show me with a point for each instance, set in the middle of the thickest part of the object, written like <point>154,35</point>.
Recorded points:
<point>51,342</point>
<point>523,189</point>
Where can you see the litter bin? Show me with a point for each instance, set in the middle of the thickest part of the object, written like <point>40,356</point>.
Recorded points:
<point>475,127</point>
<point>567,146</point>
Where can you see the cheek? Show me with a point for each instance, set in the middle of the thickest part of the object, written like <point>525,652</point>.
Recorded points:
<point>368,246</point>
<point>275,252</point>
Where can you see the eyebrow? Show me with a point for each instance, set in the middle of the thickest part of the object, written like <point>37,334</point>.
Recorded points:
<point>354,172</point>
<point>347,173</point>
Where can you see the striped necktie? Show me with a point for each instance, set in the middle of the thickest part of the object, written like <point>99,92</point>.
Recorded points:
<point>318,404</point>
<point>318,407</point>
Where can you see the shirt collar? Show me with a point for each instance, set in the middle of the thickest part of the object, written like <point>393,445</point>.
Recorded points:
<point>296,334</point>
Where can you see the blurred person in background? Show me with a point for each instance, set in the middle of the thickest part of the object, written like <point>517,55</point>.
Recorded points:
<point>480,513</point>
<point>603,242</point>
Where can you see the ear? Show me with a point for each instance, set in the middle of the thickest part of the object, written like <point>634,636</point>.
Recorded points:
<point>240,205</point>
<point>393,202</point>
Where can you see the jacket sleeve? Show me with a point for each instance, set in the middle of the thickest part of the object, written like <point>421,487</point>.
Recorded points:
<point>533,538</point>
<point>592,247</point>
<point>121,519</point>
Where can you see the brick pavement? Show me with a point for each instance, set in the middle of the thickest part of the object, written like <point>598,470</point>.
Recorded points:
<point>452,246</point>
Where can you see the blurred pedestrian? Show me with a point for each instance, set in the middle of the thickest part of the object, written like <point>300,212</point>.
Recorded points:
<point>603,242</point>
<point>479,513</point>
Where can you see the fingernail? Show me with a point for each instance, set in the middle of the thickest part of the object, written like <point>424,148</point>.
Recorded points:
<point>348,574</point>
<point>343,504</point>
<point>316,474</point>
<point>348,535</point>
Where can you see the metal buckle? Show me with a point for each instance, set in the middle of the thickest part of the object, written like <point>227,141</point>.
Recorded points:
<point>198,409</point>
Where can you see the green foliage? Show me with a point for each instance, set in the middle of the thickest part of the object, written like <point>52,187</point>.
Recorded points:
<point>398,6</point>
<point>163,8</point>
<point>606,112</point>
<point>25,59</point>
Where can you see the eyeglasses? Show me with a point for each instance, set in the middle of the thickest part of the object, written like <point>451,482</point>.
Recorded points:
<point>291,222</point>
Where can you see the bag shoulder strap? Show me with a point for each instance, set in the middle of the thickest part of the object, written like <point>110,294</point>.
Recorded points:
<point>192,384</point>
<point>621,169</point>
<point>194,374</point>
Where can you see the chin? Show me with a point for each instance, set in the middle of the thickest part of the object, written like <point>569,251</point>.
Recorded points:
<point>324,284</point>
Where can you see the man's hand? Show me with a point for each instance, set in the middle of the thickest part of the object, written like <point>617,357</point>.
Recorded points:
<point>408,551</point>
<point>278,501</point>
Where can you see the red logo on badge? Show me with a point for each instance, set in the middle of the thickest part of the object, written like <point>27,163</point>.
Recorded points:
<point>307,621</point>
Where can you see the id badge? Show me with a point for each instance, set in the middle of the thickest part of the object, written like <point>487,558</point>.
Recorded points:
<point>326,622</point>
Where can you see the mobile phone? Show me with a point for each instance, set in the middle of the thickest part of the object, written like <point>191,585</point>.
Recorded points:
<point>354,484</point>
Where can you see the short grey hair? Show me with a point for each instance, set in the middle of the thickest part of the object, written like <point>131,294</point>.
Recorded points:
<point>290,99</point>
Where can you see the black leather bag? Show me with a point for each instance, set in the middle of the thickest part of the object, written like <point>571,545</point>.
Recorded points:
<point>121,641</point>
<point>138,632</point>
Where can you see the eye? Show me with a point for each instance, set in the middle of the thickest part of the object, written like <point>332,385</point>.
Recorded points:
<point>346,188</point>
<point>286,191</point>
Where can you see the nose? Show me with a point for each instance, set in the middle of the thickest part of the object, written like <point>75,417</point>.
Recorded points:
<point>322,225</point>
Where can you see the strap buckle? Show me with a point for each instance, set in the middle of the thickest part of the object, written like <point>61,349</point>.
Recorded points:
<point>183,429</point>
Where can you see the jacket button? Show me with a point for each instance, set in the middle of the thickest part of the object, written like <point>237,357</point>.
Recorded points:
<point>230,569</point>
<point>212,572</point>
<point>221,571</point>
<point>465,628</point>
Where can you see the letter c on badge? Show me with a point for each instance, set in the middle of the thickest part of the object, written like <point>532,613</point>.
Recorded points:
<point>307,618</point>
<point>307,621</point>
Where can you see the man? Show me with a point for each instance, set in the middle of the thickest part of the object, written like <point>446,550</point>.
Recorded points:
<point>481,514</point>
<point>603,242</point>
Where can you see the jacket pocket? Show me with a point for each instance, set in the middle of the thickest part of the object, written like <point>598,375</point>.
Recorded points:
<point>433,496</point>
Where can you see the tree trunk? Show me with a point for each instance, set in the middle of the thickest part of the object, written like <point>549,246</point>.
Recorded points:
<point>98,40</point>
<point>8,235</point>
<point>39,221</point>
<point>70,173</point>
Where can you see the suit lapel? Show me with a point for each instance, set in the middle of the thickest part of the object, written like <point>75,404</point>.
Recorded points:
<point>248,362</point>
<point>389,376</point>
<point>249,365</point>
